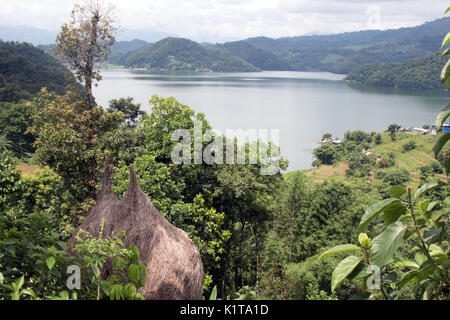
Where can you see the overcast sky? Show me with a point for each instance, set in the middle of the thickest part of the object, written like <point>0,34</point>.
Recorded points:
<point>223,20</point>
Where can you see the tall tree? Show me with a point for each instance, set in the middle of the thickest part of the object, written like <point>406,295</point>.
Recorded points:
<point>87,40</point>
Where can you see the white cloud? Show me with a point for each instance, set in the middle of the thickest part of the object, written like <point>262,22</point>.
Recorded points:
<point>220,20</point>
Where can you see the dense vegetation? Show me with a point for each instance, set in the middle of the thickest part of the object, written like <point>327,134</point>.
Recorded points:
<point>418,73</point>
<point>259,236</point>
<point>24,70</point>
<point>176,54</point>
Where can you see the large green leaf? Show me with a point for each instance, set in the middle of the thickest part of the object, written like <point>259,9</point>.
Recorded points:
<point>445,74</point>
<point>447,167</point>
<point>425,270</point>
<point>339,249</point>
<point>393,213</point>
<point>372,212</point>
<point>213,295</point>
<point>386,243</point>
<point>441,143</point>
<point>446,52</point>
<point>406,264</point>
<point>427,187</point>
<point>50,261</point>
<point>343,269</point>
<point>446,39</point>
<point>397,191</point>
<point>19,283</point>
<point>448,9</point>
<point>442,116</point>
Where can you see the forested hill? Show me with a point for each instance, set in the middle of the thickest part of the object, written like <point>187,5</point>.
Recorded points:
<point>418,73</point>
<point>262,59</point>
<point>25,69</point>
<point>177,54</point>
<point>342,53</point>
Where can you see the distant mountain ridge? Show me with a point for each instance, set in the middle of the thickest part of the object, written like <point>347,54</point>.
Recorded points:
<point>342,53</point>
<point>337,53</point>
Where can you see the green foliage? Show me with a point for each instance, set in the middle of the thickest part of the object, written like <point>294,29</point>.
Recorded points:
<point>394,177</point>
<point>30,251</point>
<point>439,148</point>
<point>327,136</point>
<point>15,118</point>
<point>71,139</point>
<point>393,129</point>
<point>326,154</point>
<point>378,138</point>
<point>411,225</point>
<point>408,146</point>
<point>360,164</point>
<point>445,73</point>
<point>45,192</point>
<point>10,184</point>
<point>24,70</point>
<point>34,262</point>
<point>425,172</point>
<point>128,274</point>
<point>132,111</point>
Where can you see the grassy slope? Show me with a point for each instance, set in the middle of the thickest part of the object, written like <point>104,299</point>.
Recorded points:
<point>411,161</point>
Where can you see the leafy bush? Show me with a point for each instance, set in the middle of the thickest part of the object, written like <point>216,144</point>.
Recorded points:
<point>326,154</point>
<point>395,177</point>
<point>411,225</point>
<point>425,172</point>
<point>410,145</point>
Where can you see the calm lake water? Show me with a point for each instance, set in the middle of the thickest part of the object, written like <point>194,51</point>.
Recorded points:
<point>302,105</point>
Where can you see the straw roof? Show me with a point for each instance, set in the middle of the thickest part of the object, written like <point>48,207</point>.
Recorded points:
<point>174,267</point>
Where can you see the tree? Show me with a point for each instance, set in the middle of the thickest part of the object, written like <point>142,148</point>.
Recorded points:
<point>70,139</point>
<point>326,154</point>
<point>393,129</point>
<point>15,118</point>
<point>132,111</point>
<point>87,40</point>
<point>378,138</point>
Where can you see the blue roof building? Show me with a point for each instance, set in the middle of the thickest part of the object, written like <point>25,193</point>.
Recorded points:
<point>446,127</point>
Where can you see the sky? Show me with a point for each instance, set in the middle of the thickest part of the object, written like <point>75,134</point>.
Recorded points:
<point>226,20</point>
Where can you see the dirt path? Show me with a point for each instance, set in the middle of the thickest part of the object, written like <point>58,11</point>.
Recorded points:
<point>27,169</point>
<point>329,171</point>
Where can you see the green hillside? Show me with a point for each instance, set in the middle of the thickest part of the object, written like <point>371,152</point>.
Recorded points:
<point>177,54</point>
<point>262,59</point>
<point>24,70</point>
<point>418,73</point>
<point>417,162</point>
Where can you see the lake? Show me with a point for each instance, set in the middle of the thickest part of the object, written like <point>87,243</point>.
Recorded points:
<point>302,105</point>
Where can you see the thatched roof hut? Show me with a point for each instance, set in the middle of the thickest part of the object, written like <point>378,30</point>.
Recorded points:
<point>174,267</point>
